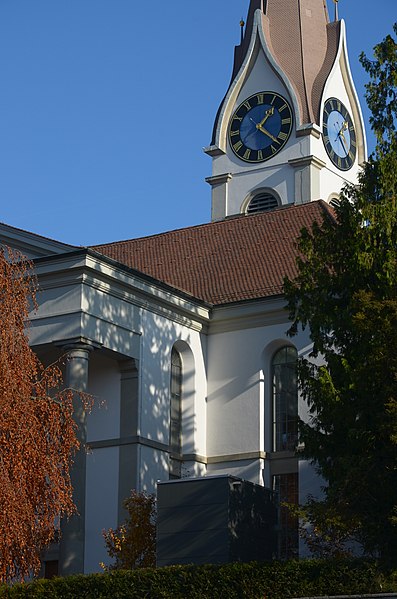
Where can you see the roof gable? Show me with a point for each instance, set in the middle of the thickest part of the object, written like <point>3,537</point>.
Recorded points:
<point>30,244</point>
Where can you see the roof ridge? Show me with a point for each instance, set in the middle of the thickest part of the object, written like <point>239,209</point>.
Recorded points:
<point>222,222</point>
<point>231,260</point>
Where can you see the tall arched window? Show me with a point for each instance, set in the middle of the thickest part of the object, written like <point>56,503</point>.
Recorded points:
<point>285,399</point>
<point>175,441</point>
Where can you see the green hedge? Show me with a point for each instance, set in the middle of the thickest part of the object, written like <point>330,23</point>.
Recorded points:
<point>274,580</point>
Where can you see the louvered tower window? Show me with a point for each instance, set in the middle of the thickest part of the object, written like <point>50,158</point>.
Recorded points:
<point>262,202</point>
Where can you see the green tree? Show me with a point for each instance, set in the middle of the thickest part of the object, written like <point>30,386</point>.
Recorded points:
<point>346,293</point>
<point>133,544</point>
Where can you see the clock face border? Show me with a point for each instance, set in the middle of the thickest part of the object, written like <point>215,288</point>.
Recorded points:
<point>342,153</point>
<point>276,131</point>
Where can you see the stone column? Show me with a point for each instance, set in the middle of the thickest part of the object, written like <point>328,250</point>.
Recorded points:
<point>129,431</point>
<point>71,552</point>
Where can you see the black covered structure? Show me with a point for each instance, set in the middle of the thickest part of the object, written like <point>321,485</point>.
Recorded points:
<point>215,519</point>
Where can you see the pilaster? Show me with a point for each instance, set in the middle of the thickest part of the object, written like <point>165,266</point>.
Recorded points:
<point>129,427</point>
<point>71,551</point>
<point>307,178</point>
<point>219,185</point>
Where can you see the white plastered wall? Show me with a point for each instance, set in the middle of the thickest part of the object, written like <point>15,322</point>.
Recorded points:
<point>239,408</point>
<point>159,335</point>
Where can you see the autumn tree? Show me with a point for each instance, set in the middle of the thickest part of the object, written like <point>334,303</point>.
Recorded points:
<point>37,432</point>
<point>133,544</point>
<point>346,293</point>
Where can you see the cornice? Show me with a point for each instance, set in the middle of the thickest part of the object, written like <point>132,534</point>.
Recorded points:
<point>307,161</point>
<point>250,314</point>
<point>103,274</point>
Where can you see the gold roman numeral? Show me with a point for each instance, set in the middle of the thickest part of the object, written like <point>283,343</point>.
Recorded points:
<point>283,136</point>
<point>260,155</point>
<point>237,146</point>
<point>260,98</point>
<point>247,105</point>
<point>234,133</point>
<point>283,107</point>
<point>247,154</point>
<point>286,121</point>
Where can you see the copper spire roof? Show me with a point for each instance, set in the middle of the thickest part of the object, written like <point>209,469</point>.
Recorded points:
<point>237,259</point>
<point>304,44</point>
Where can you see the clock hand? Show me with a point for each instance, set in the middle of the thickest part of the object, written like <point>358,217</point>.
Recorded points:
<point>342,137</point>
<point>343,141</point>
<point>266,132</point>
<point>268,113</point>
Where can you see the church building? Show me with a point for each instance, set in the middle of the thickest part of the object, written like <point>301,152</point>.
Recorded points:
<point>181,337</point>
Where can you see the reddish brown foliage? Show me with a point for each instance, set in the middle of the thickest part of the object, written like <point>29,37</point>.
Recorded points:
<point>37,432</point>
<point>133,544</point>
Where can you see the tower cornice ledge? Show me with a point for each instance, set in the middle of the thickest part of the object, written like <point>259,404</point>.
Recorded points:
<point>307,161</point>
<point>310,129</point>
<point>213,150</point>
<point>219,179</point>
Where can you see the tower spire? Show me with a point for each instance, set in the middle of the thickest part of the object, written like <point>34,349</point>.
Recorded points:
<point>242,23</point>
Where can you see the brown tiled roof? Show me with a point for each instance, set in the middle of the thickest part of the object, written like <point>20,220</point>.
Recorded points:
<point>237,259</point>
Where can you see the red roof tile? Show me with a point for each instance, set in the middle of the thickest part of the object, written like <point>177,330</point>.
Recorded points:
<point>240,258</point>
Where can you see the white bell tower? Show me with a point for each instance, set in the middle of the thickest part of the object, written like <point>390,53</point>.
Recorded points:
<point>290,128</point>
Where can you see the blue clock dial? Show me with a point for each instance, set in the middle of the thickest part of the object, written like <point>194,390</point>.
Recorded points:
<point>339,135</point>
<point>260,127</point>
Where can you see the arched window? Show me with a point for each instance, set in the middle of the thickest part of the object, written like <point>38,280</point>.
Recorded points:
<point>175,441</point>
<point>285,399</point>
<point>262,202</point>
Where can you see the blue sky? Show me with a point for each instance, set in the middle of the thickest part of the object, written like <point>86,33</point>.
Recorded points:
<point>105,107</point>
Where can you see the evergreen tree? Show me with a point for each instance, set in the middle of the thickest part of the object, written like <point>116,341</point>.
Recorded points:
<point>346,293</point>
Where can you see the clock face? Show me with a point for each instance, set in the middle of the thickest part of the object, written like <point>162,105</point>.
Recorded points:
<point>339,135</point>
<point>260,127</point>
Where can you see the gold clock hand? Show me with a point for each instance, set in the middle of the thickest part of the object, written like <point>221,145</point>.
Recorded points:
<point>266,132</point>
<point>343,140</point>
<point>268,113</point>
<point>342,136</point>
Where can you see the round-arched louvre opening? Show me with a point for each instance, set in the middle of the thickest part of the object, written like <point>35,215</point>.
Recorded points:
<point>262,203</point>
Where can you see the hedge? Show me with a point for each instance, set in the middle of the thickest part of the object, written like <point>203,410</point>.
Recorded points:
<point>276,580</point>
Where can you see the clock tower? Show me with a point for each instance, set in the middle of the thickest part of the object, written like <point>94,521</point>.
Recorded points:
<point>290,128</point>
